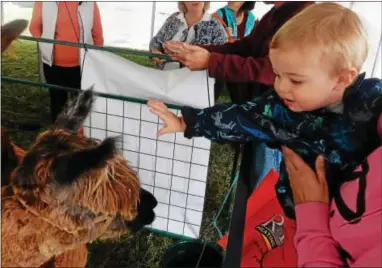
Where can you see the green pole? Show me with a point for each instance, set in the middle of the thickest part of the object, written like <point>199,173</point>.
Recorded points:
<point>103,48</point>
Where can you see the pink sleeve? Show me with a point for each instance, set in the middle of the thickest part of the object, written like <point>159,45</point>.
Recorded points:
<point>371,258</point>
<point>314,243</point>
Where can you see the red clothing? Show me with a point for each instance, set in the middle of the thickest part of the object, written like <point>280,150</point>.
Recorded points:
<point>67,29</point>
<point>268,233</point>
<point>247,59</point>
<point>241,27</point>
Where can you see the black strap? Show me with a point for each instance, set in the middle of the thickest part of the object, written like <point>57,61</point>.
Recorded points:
<point>225,18</point>
<point>345,257</point>
<point>343,209</point>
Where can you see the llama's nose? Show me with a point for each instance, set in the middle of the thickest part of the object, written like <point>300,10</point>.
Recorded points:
<point>146,214</point>
<point>146,207</point>
<point>147,199</point>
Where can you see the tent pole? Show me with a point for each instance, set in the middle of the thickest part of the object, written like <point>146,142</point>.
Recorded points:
<point>153,19</point>
<point>2,14</point>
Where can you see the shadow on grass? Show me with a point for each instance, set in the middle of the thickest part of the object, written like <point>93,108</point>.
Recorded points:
<point>142,250</point>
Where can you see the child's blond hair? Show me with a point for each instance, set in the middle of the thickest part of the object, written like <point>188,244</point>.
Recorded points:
<point>332,29</point>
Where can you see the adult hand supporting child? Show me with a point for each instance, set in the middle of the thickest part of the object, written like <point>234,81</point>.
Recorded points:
<point>307,186</point>
<point>172,123</point>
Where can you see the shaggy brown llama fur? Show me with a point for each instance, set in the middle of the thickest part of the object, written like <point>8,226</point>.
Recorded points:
<point>68,190</point>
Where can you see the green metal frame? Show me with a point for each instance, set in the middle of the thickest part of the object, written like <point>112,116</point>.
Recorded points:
<point>104,48</point>
<point>69,89</point>
<point>106,95</point>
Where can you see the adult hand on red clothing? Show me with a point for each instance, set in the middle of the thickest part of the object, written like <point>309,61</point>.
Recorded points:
<point>307,186</point>
<point>193,57</point>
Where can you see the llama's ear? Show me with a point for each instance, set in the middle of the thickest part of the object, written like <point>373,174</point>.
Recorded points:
<point>75,113</point>
<point>11,31</point>
<point>67,168</point>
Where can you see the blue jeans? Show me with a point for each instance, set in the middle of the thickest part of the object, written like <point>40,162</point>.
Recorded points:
<point>265,159</point>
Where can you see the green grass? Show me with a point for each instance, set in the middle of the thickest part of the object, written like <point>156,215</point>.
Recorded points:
<point>27,103</point>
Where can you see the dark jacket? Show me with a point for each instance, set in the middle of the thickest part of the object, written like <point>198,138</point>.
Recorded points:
<point>344,139</point>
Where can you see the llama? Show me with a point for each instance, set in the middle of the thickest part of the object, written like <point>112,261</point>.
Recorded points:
<point>67,190</point>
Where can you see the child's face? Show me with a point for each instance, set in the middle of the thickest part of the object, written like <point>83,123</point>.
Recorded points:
<point>303,81</point>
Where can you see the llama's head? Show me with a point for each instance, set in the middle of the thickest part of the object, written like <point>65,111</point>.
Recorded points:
<point>82,178</point>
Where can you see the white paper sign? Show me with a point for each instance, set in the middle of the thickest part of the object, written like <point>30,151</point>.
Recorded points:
<point>113,74</point>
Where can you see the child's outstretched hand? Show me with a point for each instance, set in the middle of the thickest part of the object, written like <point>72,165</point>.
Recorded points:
<point>172,123</point>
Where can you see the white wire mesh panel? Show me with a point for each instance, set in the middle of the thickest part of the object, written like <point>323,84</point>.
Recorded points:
<point>171,167</point>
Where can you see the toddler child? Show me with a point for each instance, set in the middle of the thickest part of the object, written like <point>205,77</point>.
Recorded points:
<point>320,105</point>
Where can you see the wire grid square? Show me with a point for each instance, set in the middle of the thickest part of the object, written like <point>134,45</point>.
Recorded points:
<point>171,167</point>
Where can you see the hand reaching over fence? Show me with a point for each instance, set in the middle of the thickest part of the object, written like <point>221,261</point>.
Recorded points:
<point>172,123</point>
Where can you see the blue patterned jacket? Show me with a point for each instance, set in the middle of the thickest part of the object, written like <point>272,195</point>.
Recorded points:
<point>344,139</point>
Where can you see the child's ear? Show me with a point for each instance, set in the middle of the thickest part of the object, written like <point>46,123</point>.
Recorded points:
<point>346,78</point>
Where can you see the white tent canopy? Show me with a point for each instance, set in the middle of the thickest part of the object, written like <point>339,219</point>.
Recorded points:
<point>132,24</point>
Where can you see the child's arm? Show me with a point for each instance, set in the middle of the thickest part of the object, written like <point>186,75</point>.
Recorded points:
<point>225,122</point>
<point>172,123</point>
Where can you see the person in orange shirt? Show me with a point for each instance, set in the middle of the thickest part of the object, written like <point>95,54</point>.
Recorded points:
<point>77,22</point>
